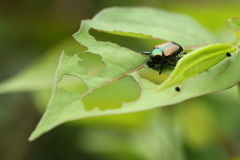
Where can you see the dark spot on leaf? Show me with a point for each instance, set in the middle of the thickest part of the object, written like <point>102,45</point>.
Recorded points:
<point>92,62</point>
<point>228,54</point>
<point>177,89</point>
<point>112,95</point>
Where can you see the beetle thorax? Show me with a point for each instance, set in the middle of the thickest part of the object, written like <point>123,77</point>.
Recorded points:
<point>156,52</point>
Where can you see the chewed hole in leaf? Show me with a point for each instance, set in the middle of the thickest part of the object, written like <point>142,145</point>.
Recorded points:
<point>72,84</point>
<point>135,44</point>
<point>92,62</point>
<point>113,95</point>
<point>152,75</point>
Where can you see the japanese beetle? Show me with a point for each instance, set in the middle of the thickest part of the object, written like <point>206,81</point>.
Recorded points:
<point>166,53</point>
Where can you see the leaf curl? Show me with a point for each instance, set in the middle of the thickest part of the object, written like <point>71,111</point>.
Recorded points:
<point>196,62</point>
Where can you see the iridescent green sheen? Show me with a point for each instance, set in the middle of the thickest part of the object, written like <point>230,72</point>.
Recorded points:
<point>157,51</point>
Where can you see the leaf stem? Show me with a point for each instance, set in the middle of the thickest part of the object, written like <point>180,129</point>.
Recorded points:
<point>239,89</point>
<point>116,78</point>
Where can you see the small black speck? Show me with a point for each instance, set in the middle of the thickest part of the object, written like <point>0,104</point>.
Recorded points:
<point>177,89</point>
<point>228,54</point>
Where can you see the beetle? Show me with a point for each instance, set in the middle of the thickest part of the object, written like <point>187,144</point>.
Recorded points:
<point>165,53</point>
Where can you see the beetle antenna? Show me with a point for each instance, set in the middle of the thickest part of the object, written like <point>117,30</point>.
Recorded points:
<point>146,53</point>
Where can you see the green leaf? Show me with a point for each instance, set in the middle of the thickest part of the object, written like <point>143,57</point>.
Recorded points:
<point>234,25</point>
<point>196,62</point>
<point>118,87</point>
<point>144,22</point>
<point>65,106</point>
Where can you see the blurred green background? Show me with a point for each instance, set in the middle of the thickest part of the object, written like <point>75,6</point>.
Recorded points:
<point>37,31</point>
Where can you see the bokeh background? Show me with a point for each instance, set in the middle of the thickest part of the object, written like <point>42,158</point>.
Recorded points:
<point>202,128</point>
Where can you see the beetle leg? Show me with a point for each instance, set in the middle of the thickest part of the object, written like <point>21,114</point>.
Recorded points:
<point>171,63</point>
<point>161,67</point>
<point>177,58</point>
<point>183,52</point>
